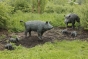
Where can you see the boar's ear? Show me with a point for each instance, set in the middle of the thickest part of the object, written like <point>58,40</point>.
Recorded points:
<point>49,21</point>
<point>69,16</point>
<point>46,22</point>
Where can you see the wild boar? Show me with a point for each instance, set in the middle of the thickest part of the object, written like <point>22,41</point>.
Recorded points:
<point>39,26</point>
<point>72,18</point>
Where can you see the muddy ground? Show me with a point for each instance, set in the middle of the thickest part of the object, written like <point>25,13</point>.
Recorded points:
<point>48,36</point>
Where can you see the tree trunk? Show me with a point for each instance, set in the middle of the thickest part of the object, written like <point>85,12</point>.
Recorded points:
<point>39,9</point>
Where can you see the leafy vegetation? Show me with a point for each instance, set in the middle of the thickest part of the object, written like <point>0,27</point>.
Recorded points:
<point>5,10</point>
<point>57,50</point>
<point>15,21</point>
<point>11,12</point>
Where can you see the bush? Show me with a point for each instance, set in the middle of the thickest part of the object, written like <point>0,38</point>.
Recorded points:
<point>84,15</point>
<point>65,8</point>
<point>82,11</point>
<point>16,26</point>
<point>22,5</point>
<point>4,15</point>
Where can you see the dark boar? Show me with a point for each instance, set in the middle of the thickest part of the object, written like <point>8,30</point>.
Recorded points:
<point>65,31</point>
<point>73,33</point>
<point>39,26</point>
<point>13,40</point>
<point>72,18</point>
<point>9,46</point>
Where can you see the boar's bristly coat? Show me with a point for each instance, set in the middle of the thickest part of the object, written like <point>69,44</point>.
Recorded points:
<point>72,18</point>
<point>39,26</point>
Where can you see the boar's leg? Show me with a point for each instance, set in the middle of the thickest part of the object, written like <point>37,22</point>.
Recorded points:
<point>42,32</point>
<point>39,35</point>
<point>78,25</point>
<point>66,24</point>
<point>73,25</point>
<point>26,33</point>
<point>29,33</point>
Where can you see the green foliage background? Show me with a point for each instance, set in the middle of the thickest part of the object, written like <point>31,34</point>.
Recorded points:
<point>12,11</point>
<point>5,11</point>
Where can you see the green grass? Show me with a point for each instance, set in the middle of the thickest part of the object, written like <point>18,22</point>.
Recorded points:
<point>58,50</point>
<point>16,26</point>
<point>56,17</point>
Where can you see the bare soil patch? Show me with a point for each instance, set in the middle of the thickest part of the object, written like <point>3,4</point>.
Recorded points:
<point>48,36</point>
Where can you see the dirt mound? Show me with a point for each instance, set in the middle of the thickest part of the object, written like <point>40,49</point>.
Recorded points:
<point>48,36</point>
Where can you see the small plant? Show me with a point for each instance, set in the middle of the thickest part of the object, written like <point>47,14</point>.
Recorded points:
<point>2,36</point>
